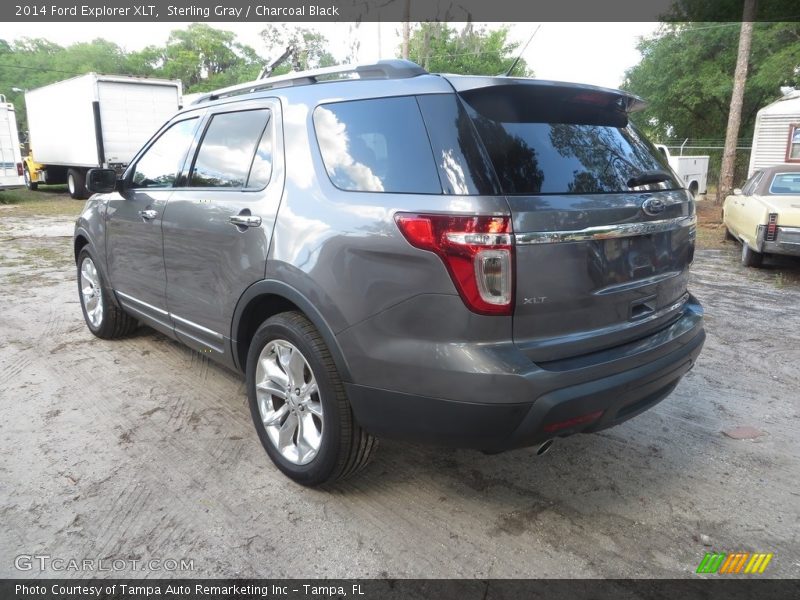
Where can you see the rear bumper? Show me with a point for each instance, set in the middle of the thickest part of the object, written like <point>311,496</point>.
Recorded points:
<point>539,403</point>
<point>787,241</point>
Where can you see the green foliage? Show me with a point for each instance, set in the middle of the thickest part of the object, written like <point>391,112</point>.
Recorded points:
<point>686,75</point>
<point>202,57</point>
<point>307,49</point>
<point>440,48</point>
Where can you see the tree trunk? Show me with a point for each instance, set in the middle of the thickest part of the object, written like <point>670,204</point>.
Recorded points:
<point>406,28</point>
<point>735,114</point>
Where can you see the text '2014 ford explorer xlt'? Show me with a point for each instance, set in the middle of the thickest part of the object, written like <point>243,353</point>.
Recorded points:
<point>485,262</point>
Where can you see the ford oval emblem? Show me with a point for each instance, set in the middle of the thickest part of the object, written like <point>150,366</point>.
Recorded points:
<point>653,206</point>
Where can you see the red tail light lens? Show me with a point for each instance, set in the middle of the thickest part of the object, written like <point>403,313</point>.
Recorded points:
<point>20,172</point>
<point>772,227</point>
<point>477,252</point>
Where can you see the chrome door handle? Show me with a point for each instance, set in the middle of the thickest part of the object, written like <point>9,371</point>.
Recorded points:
<point>246,220</point>
<point>148,214</point>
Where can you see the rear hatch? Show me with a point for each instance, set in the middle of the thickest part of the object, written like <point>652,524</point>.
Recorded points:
<point>604,231</point>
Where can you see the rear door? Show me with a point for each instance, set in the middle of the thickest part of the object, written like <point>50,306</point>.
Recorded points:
<point>217,229</point>
<point>601,258</point>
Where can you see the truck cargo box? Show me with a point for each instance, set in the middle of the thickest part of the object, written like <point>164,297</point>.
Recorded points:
<point>97,120</point>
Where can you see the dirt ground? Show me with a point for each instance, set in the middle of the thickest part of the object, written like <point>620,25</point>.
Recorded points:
<point>141,449</point>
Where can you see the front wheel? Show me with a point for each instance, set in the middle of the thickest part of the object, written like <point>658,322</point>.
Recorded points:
<point>299,406</point>
<point>751,258</point>
<point>102,315</point>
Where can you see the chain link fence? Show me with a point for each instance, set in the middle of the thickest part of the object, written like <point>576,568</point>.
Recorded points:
<point>714,149</point>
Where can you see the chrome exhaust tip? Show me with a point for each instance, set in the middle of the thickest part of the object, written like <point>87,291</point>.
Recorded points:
<point>544,447</point>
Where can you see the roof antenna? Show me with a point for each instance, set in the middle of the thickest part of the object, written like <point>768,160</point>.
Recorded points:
<point>521,52</point>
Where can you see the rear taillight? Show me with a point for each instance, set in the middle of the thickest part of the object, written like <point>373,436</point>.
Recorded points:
<point>477,252</point>
<point>20,172</point>
<point>772,228</point>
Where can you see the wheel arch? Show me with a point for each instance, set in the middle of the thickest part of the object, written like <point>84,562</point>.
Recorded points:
<point>80,240</point>
<point>267,298</point>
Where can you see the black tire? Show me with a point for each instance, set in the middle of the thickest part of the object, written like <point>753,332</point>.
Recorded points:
<point>729,237</point>
<point>751,258</point>
<point>694,188</point>
<point>113,322</point>
<point>76,183</point>
<point>344,447</point>
<point>31,185</point>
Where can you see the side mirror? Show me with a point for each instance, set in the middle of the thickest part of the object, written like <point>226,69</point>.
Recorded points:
<point>101,181</point>
<point>737,191</point>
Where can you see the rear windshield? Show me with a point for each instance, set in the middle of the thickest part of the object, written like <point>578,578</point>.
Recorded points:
<point>785,183</point>
<point>542,144</point>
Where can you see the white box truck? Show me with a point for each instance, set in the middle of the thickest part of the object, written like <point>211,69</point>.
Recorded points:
<point>692,170</point>
<point>92,121</point>
<point>10,155</point>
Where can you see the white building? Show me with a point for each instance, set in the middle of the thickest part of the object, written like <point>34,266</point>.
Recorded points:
<point>776,138</point>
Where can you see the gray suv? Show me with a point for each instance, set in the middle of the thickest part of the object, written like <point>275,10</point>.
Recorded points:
<point>485,262</point>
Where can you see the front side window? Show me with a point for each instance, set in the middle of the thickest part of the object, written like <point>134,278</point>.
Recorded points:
<point>793,151</point>
<point>785,183</point>
<point>162,161</point>
<point>228,148</point>
<point>376,145</point>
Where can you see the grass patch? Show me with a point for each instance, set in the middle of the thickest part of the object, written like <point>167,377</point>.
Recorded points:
<point>48,200</point>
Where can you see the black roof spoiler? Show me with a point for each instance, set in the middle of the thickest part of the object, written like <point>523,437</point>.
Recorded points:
<point>588,94</point>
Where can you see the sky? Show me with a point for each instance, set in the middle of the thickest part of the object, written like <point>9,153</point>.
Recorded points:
<point>593,53</point>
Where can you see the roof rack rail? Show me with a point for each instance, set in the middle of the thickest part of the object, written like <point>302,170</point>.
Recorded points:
<point>383,69</point>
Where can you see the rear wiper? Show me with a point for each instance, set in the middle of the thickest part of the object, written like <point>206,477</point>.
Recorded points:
<point>646,177</point>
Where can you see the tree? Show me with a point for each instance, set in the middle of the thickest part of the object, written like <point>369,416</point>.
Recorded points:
<point>437,47</point>
<point>735,112</point>
<point>307,48</point>
<point>202,57</point>
<point>686,75</point>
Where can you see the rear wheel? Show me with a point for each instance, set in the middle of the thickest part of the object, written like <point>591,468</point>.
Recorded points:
<point>729,237</point>
<point>751,258</point>
<point>31,185</point>
<point>694,188</point>
<point>76,182</point>
<point>299,406</point>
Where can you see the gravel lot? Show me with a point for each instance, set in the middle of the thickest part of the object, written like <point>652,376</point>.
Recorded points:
<point>142,449</point>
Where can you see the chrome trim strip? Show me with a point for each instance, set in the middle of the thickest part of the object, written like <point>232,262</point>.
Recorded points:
<point>219,336</point>
<point>145,304</point>
<point>604,232</point>
<point>664,311</point>
<point>218,349</point>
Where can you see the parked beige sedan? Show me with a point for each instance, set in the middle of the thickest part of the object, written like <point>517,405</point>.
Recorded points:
<point>765,214</point>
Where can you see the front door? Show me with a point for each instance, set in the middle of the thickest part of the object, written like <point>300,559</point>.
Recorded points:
<point>134,244</point>
<point>217,229</point>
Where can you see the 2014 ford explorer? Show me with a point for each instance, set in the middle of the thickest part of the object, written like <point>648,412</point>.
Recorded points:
<point>485,262</point>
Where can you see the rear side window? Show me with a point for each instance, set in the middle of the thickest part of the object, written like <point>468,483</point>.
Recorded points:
<point>463,165</point>
<point>750,187</point>
<point>376,145</point>
<point>229,148</point>
<point>785,183</point>
<point>543,145</point>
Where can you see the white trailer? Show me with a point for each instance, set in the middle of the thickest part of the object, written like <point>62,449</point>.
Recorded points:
<point>776,137</point>
<point>10,155</point>
<point>93,121</point>
<point>692,170</point>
